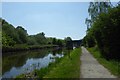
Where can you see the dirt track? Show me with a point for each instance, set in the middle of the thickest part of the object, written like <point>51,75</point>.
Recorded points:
<point>90,68</point>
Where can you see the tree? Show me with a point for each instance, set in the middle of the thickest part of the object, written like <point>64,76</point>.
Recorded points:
<point>105,31</point>
<point>0,32</point>
<point>89,40</point>
<point>31,40</point>
<point>40,38</point>
<point>54,41</point>
<point>22,34</point>
<point>10,31</point>
<point>59,42</point>
<point>68,39</point>
<point>42,33</point>
<point>88,23</point>
<point>95,8</point>
<point>68,42</point>
<point>7,41</point>
<point>49,40</point>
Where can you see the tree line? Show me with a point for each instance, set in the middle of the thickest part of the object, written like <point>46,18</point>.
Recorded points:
<point>103,29</point>
<point>12,36</point>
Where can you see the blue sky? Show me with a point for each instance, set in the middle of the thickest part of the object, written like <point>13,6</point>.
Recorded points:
<point>55,19</point>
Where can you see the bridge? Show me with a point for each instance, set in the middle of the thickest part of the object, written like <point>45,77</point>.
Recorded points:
<point>73,43</point>
<point>76,43</point>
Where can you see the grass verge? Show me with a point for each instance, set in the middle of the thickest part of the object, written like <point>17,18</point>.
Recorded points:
<point>43,71</point>
<point>68,67</point>
<point>112,65</point>
<point>24,47</point>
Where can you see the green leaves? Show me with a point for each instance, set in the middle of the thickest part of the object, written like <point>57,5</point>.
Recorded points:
<point>40,38</point>
<point>22,34</point>
<point>105,32</point>
<point>7,41</point>
<point>17,35</point>
<point>96,8</point>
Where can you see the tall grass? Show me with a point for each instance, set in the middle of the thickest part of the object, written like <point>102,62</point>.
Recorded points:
<point>112,65</point>
<point>68,67</point>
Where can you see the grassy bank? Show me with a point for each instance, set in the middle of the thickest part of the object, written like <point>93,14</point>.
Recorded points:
<point>112,65</point>
<point>25,47</point>
<point>68,67</point>
<point>43,71</point>
<point>65,67</point>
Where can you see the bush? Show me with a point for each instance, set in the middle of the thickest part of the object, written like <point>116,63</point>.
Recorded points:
<point>106,33</point>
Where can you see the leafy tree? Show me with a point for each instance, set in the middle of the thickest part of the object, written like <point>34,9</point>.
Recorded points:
<point>95,8</point>
<point>84,42</point>
<point>59,42</point>
<point>22,33</point>
<point>105,31</point>
<point>49,40</point>
<point>7,41</point>
<point>68,42</point>
<point>10,31</point>
<point>54,41</point>
<point>90,41</point>
<point>0,32</point>
<point>40,38</point>
<point>42,33</point>
<point>68,39</point>
<point>88,23</point>
<point>31,40</point>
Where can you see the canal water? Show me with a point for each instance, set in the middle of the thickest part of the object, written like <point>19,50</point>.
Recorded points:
<point>14,64</point>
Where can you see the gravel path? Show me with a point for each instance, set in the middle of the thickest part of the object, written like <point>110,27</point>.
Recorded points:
<point>90,68</point>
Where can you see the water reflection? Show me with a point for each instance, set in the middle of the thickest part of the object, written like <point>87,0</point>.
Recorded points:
<point>24,62</point>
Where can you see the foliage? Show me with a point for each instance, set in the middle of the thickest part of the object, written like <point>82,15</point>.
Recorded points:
<point>7,41</point>
<point>105,32</point>
<point>54,41</point>
<point>31,40</point>
<point>49,40</point>
<point>40,38</point>
<point>0,38</point>
<point>17,35</point>
<point>10,31</point>
<point>22,34</point>
<point>68,39</point>
<point>89,40</point>
<point>68,42</point>
<point>95,8</point>
<point>57,42</point>
<point>12,36</point>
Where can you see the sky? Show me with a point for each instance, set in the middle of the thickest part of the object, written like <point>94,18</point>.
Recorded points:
<point>58,0</point>
<point>55,19</point>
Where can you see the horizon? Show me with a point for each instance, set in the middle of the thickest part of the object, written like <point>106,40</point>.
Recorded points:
<point>41,32</point>
<point>55,19</point>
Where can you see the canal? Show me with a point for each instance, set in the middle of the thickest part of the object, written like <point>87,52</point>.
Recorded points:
<point>16,63</point>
